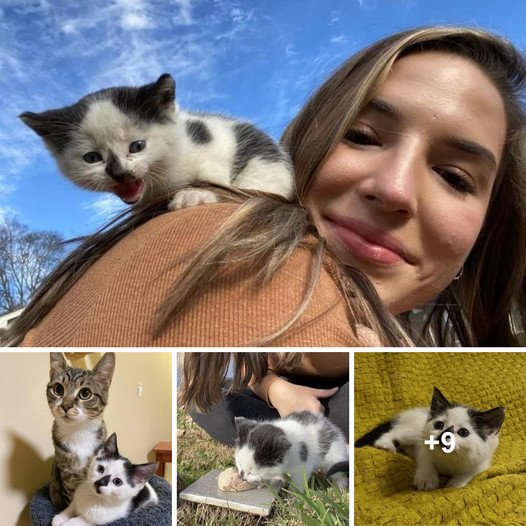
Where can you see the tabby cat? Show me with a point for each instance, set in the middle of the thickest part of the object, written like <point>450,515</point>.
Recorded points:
<point>77,399</point>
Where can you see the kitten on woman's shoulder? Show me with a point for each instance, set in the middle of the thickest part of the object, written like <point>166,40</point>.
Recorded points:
<point>298,444</point>
<point>136,143</point>
<point>463,438</point>
<point>113,489</point>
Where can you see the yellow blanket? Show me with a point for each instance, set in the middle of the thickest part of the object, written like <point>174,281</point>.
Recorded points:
<point>389,382</point>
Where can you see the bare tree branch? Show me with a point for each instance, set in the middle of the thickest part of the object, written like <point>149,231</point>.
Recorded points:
<point>26,257</point>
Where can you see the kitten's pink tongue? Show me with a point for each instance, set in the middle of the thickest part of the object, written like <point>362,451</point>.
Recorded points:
<point>129,192</point>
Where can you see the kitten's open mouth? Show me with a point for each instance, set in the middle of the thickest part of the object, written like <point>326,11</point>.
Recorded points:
<point>129,192</point>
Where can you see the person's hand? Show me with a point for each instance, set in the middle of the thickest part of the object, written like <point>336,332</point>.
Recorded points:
<point>288,398</point>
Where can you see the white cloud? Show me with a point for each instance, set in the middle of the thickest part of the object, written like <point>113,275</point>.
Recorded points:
<point>105,207</point>
<point>184,16</point>
<point>335,17</point>
<point>340,39</point>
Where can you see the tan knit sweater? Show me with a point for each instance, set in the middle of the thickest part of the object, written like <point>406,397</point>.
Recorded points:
<point>114,302</point>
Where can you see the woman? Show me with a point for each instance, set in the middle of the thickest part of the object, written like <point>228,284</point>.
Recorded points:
<point>410,165</point>
<point>265,386</point>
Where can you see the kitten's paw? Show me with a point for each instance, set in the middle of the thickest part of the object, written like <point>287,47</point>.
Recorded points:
<point>59,520</point>
<point>191,197</point>
<point>426,481</point>
<point>385,443</point>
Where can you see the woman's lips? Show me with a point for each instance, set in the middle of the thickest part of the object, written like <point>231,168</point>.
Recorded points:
<point>368,242</point>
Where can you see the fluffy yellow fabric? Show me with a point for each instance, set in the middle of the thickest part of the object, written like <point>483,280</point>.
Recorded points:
<point>387,383</point>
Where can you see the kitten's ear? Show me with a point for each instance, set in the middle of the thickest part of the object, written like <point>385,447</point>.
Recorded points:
<point>51,125</point>
<point>110,446</point>
<point>57,364</point>
<point>490,421</point>
<point>439,402</point>
<point>104,369</point>
<point>241,421</point>
<point>163,91</point>
<point>142,472</point>
<point>243,426</point>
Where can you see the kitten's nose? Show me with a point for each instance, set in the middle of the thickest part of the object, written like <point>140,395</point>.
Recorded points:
<point>66,408</point>
<point>116,171</point>
<point>450,429</point>
<point>104,481</point>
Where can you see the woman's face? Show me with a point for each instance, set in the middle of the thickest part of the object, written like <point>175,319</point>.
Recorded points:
<point>404,195</point>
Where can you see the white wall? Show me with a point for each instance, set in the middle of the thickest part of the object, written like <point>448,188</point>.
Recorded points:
<point>26,448</point>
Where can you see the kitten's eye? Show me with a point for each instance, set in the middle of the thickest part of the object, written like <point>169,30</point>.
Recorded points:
<point>137,146</point>
<point>92,157</point>
<point>117,482</point>
<point>463,432</point>
<point>58,389</point>
<point>438,425</point>
<point>100,469</point>
<point>84,393</point>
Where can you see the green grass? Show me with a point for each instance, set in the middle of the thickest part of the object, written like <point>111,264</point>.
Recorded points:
<point>322,503</point>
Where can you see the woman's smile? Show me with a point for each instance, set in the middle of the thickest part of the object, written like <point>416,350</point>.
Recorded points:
<point>368,242</point>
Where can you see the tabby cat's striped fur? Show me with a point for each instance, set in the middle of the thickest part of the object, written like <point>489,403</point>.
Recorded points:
<point>77,399</point>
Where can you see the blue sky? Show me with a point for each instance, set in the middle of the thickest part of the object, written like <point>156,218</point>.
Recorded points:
<point>255,59</point>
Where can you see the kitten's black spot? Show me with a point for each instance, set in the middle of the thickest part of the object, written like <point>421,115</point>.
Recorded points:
<point>129,470</point>
<point>269,443</point>
<point>252,143</point>
<point>116,171</point>
<point>141,498</point>
<point>198,131</point>
<point>396,444</point>
<point>304,452</point>
<point>328,434</point>
<point>372,436</point>
<point>305,417</point>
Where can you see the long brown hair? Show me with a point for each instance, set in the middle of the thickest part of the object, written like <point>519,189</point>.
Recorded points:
<point>202,374</point>
<point>474,310</point>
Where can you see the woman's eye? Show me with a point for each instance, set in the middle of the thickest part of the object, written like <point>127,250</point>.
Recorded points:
<point>458,181</point>
<point>84,393</point>
<point>360,137</point>
<point>438,425</point>
<point>58,389</point>
<point>463,432</point>
<point>117,482</point>
<point>100,469</point>
<point>137,146</point>
<point>92,157</point>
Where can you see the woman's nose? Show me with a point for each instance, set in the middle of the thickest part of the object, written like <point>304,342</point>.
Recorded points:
<point>391,184</point>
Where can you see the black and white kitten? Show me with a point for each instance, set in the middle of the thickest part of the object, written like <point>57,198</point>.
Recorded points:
<point>136,143</point>
<point>475,434</point>
<point>113,489</point>
<point>77,399</point>
<point>302,441</point>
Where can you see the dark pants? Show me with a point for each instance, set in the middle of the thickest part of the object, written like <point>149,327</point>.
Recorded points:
<point>219,421</point>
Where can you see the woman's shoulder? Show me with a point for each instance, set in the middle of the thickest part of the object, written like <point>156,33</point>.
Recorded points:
<point>208,217</point>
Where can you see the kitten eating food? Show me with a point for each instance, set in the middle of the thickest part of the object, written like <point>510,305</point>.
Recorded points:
<point>475,440</point>
<point>113,489</point>
<point>301,442</point>
<point>77,399</point>
<point>136,143</point>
